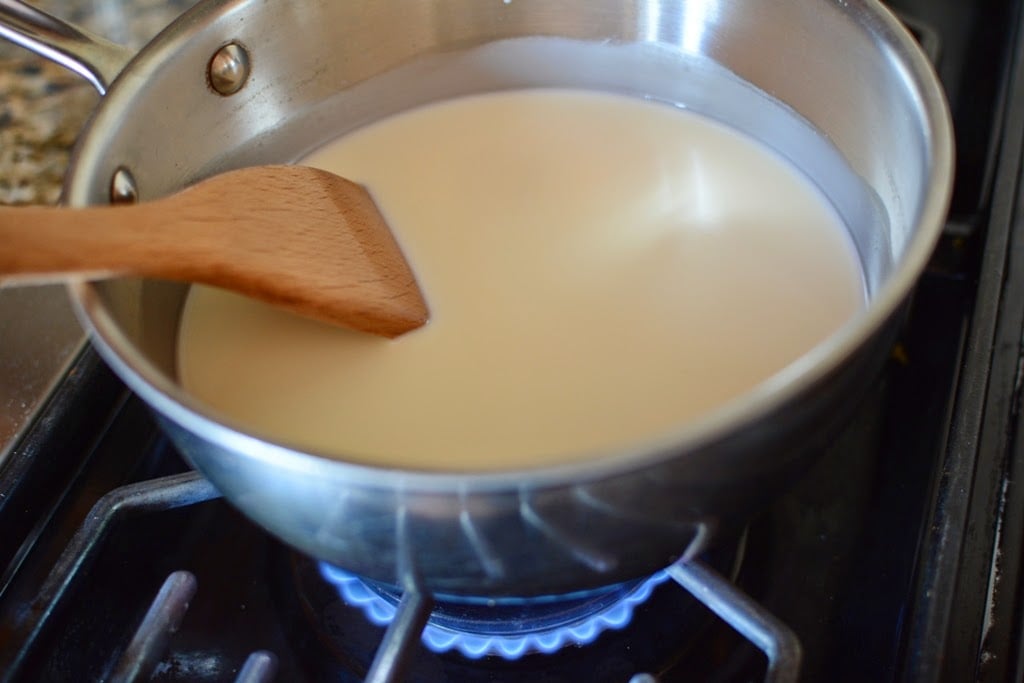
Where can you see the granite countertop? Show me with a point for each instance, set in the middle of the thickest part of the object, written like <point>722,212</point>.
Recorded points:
<point>43,107</point>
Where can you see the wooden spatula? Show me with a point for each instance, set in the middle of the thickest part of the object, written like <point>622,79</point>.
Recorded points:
<point>297,237</point>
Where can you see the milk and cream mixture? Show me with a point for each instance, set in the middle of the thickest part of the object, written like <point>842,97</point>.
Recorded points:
<point>599,270</point>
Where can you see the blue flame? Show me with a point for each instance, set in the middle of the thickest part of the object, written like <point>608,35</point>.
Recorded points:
<point>442,639</point>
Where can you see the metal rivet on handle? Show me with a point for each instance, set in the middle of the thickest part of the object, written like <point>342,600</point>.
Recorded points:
<point>229,69</point>
<point>123,189</point>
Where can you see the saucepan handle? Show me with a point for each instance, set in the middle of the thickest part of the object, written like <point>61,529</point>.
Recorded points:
<point>98,60</point>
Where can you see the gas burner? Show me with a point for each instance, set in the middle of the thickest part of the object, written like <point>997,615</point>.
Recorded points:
<point>508,629</point>
<point>577,637</point>
<point>368,631</point>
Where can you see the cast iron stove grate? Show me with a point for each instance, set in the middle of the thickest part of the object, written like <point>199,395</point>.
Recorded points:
<point>146,657</point>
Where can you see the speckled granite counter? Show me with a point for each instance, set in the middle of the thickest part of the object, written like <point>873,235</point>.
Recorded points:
<point>42,109</point>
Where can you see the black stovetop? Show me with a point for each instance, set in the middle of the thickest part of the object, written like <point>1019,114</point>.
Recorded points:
<point>897,557</point>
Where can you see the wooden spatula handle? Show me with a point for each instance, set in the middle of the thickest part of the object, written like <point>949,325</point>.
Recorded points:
<point>46,243</point>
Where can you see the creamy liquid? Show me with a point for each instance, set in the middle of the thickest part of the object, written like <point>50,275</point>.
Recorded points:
<point>599,271</point>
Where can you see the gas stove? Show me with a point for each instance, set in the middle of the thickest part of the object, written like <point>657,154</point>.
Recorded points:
<point>896,557</point>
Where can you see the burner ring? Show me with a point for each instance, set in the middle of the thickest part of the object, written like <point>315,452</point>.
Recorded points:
<point>507,629</point>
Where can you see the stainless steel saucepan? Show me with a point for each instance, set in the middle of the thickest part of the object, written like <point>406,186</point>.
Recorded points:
<point>241,82</point>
